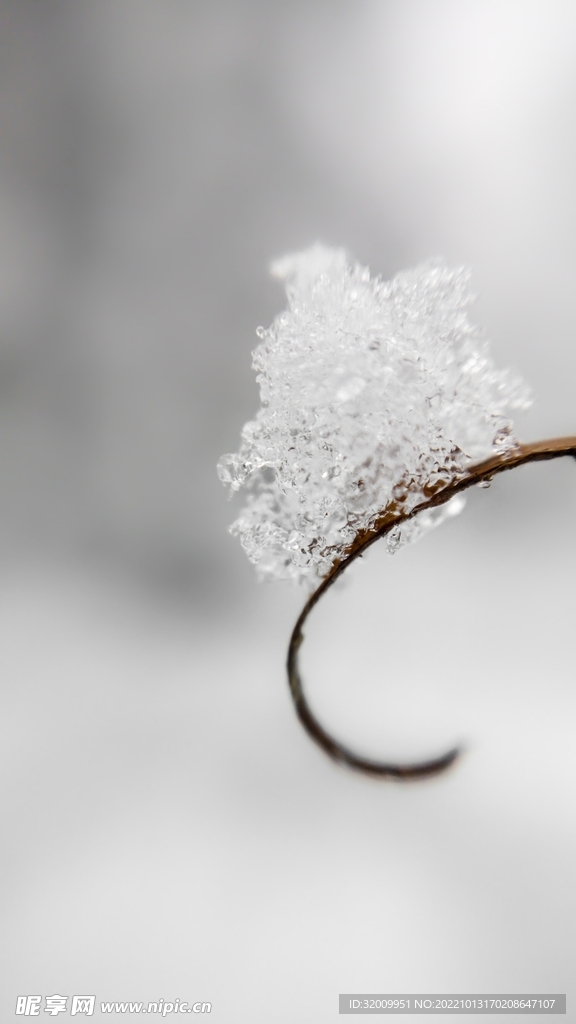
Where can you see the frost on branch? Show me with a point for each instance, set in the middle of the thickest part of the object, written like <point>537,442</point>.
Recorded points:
<point>371,391</point>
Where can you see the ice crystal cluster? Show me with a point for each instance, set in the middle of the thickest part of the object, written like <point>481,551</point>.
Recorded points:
<point>372,391</point>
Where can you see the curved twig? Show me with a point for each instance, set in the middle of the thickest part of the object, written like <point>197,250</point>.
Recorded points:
<point>390,517</point>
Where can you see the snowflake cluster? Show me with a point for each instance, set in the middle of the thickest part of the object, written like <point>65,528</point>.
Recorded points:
<point>371,391</point>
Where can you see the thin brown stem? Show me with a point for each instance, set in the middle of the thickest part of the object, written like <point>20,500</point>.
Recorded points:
<point>390,517</point>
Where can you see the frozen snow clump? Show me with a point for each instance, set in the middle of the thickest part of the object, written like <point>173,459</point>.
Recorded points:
<point>371,391</point>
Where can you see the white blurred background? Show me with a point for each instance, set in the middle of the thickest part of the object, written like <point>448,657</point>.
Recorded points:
<point>168,831</point>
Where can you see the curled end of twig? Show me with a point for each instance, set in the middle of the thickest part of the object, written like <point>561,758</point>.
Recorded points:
<point>342,754</point>
<point>536,452</point>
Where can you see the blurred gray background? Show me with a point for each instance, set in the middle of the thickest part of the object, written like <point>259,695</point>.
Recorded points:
<point>168,830</point>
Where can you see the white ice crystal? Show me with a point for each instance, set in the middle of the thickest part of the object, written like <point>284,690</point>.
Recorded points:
<point>371,391</point>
